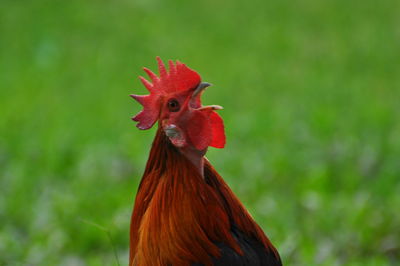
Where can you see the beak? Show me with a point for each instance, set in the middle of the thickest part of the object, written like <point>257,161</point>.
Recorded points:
<point>195,99</point>
<point>210,107</point>
<point>202,86</point>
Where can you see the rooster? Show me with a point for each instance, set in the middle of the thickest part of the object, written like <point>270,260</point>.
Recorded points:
<point>184,212</point>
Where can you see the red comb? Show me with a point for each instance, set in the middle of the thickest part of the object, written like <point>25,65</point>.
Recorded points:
<point>179,78</point>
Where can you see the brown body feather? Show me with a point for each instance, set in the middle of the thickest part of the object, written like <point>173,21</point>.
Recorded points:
<point>179,215</point>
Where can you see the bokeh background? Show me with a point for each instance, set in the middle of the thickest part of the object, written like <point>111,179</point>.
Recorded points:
<point>311,91</point>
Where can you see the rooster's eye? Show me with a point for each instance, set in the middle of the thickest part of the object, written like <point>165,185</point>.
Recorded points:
<point>173,105</point>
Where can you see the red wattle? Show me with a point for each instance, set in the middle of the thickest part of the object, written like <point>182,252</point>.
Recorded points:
<point>218,131</point>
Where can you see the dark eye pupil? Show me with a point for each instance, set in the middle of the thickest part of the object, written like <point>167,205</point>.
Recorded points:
<point>173,105</point>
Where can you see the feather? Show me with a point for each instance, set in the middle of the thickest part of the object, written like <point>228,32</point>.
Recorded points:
<point>181,219</point>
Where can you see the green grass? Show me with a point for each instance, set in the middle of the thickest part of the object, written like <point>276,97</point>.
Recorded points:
<point>311,91</point>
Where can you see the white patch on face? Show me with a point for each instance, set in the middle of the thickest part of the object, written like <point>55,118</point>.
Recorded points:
<point>175,135</point>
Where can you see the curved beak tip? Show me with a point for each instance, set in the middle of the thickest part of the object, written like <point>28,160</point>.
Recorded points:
<point>202,86</point>
<point>205,84</point>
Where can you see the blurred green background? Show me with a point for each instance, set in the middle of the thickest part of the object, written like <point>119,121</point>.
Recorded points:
<point>311,91</point>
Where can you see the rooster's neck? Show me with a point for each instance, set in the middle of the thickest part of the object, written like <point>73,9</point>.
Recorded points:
<point>196,157</point>
<point>178,212</point>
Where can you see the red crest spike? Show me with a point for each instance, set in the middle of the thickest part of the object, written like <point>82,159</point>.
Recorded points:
<point>151,75</point>
<point>161,68</point>
<point>146,83</point>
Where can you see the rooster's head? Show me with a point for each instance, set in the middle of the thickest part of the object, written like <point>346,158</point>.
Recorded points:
<point>174,101</point>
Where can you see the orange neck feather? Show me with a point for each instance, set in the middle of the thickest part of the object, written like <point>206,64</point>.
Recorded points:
<point>174,221</point>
